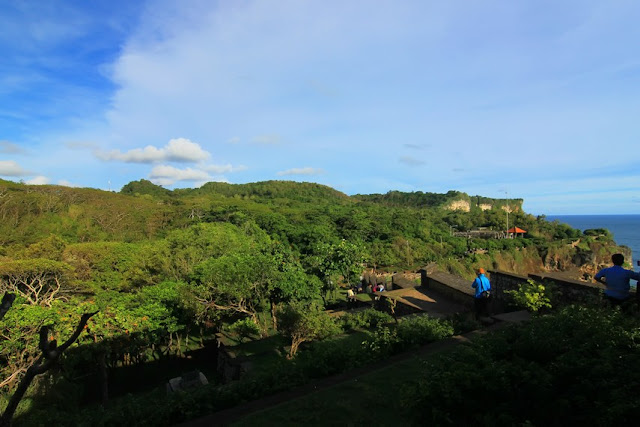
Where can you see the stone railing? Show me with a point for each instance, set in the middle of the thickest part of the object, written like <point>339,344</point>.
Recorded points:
<point>567,290</point>
<point>460,290</point>
<point>401,281</point>
<point>448,285</point>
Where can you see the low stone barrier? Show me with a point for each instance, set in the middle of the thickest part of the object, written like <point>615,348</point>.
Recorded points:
<point>458,289</point>
<point>450,286</point>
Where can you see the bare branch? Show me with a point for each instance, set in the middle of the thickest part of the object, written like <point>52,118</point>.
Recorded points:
<point>83,321</point>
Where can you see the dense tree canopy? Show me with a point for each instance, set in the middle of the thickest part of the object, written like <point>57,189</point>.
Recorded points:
<point>162,266</point>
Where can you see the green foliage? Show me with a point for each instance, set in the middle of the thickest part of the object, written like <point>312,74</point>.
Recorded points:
<point>142,187</point>
<point>598,232</point>
<point>369,318</point>
<point>418,330</point>
<point>305,322</point>
<point>531,296</point>
<point>332,356</point>
<point>337,261</point>
<point>411,332</point>
<point>113,265</point>
<point>19,338</point>
<point>463,323</point>
<point>245,328</point>
<point>163,265</point>
<point>570,368</point>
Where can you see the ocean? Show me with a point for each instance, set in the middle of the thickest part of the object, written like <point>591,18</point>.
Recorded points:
<point>625,228</point>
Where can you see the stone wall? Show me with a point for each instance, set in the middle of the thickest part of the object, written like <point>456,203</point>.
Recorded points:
<point>403,281</point>
<point>230,367</point>
<point>503,281</point>
<point>449,285</point>
<point>458,289</point>
<point>567,290</point>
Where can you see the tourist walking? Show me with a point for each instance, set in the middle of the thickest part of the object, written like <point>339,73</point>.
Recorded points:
<point>483,294</point>
<point>617,280</point>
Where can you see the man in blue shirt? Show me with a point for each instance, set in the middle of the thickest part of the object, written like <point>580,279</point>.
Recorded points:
<point>483,293</point>
<point>616,279</point>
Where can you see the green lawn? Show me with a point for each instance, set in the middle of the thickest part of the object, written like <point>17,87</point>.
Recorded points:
<point>373,399</point>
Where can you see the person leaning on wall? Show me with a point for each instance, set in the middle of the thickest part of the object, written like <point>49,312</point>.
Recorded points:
<point>617,280</point>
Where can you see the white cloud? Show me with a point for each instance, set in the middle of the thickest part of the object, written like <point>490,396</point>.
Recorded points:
<point>38,180</point>
<point>301,171</point>
<point>80,145</point>
<point>66,183</point>
<point>169,175</point>
<point>7,147</point>
<point>11,168</point>
<point>411,161</point>
<point>177,150</point>
<point>271,139</point>
<point>416,146</point>
<point>220,169</point>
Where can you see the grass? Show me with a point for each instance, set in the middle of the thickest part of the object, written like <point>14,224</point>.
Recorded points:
<point>371,399</point>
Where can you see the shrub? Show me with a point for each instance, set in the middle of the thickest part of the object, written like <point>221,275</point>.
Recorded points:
<point>420,330</point>
<point>370,318</point>
<point>245,328</point>
<point>412,332</point>
<point>531,296</point>
<point>575,367</point>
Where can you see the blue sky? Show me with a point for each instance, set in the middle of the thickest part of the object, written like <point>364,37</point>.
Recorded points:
<point>536,99</point>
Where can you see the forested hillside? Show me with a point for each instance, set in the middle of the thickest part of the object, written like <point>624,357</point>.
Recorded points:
<point>164,269</point>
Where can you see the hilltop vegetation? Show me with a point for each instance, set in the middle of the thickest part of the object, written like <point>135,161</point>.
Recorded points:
<point>166,269</point>
<point>397,230</point>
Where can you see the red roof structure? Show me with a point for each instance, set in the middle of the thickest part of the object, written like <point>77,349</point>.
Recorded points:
<point>516,230</point>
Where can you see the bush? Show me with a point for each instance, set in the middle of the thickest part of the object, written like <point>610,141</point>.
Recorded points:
<point>531,296</point>
<point>323,358</point>
<point>463,323</point>
<point>576,367</point>
<point>370,318</point>
<point>412,332</point>
<point>245,328</point>
<point>419,330</point>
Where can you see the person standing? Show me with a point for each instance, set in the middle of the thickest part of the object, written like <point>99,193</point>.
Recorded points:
<point>616,279</point>
<point>483,293</point>
<point>351,296</point>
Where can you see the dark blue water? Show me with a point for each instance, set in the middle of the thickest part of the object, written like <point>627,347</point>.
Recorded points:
<point>625,228</point>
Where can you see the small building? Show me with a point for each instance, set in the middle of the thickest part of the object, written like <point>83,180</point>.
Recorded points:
<point>514,231</point>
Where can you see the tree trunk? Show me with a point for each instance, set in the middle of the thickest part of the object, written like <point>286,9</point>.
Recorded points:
<point>274,319</point>
<point>5,420</point>
<point>295,344</point>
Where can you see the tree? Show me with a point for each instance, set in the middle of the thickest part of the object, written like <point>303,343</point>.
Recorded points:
<point>235,282</point>
<point>333,261</point>
<point>51,352</point>
<point>289,282</point>
<point>38,280</point>
<point>302,322</point>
